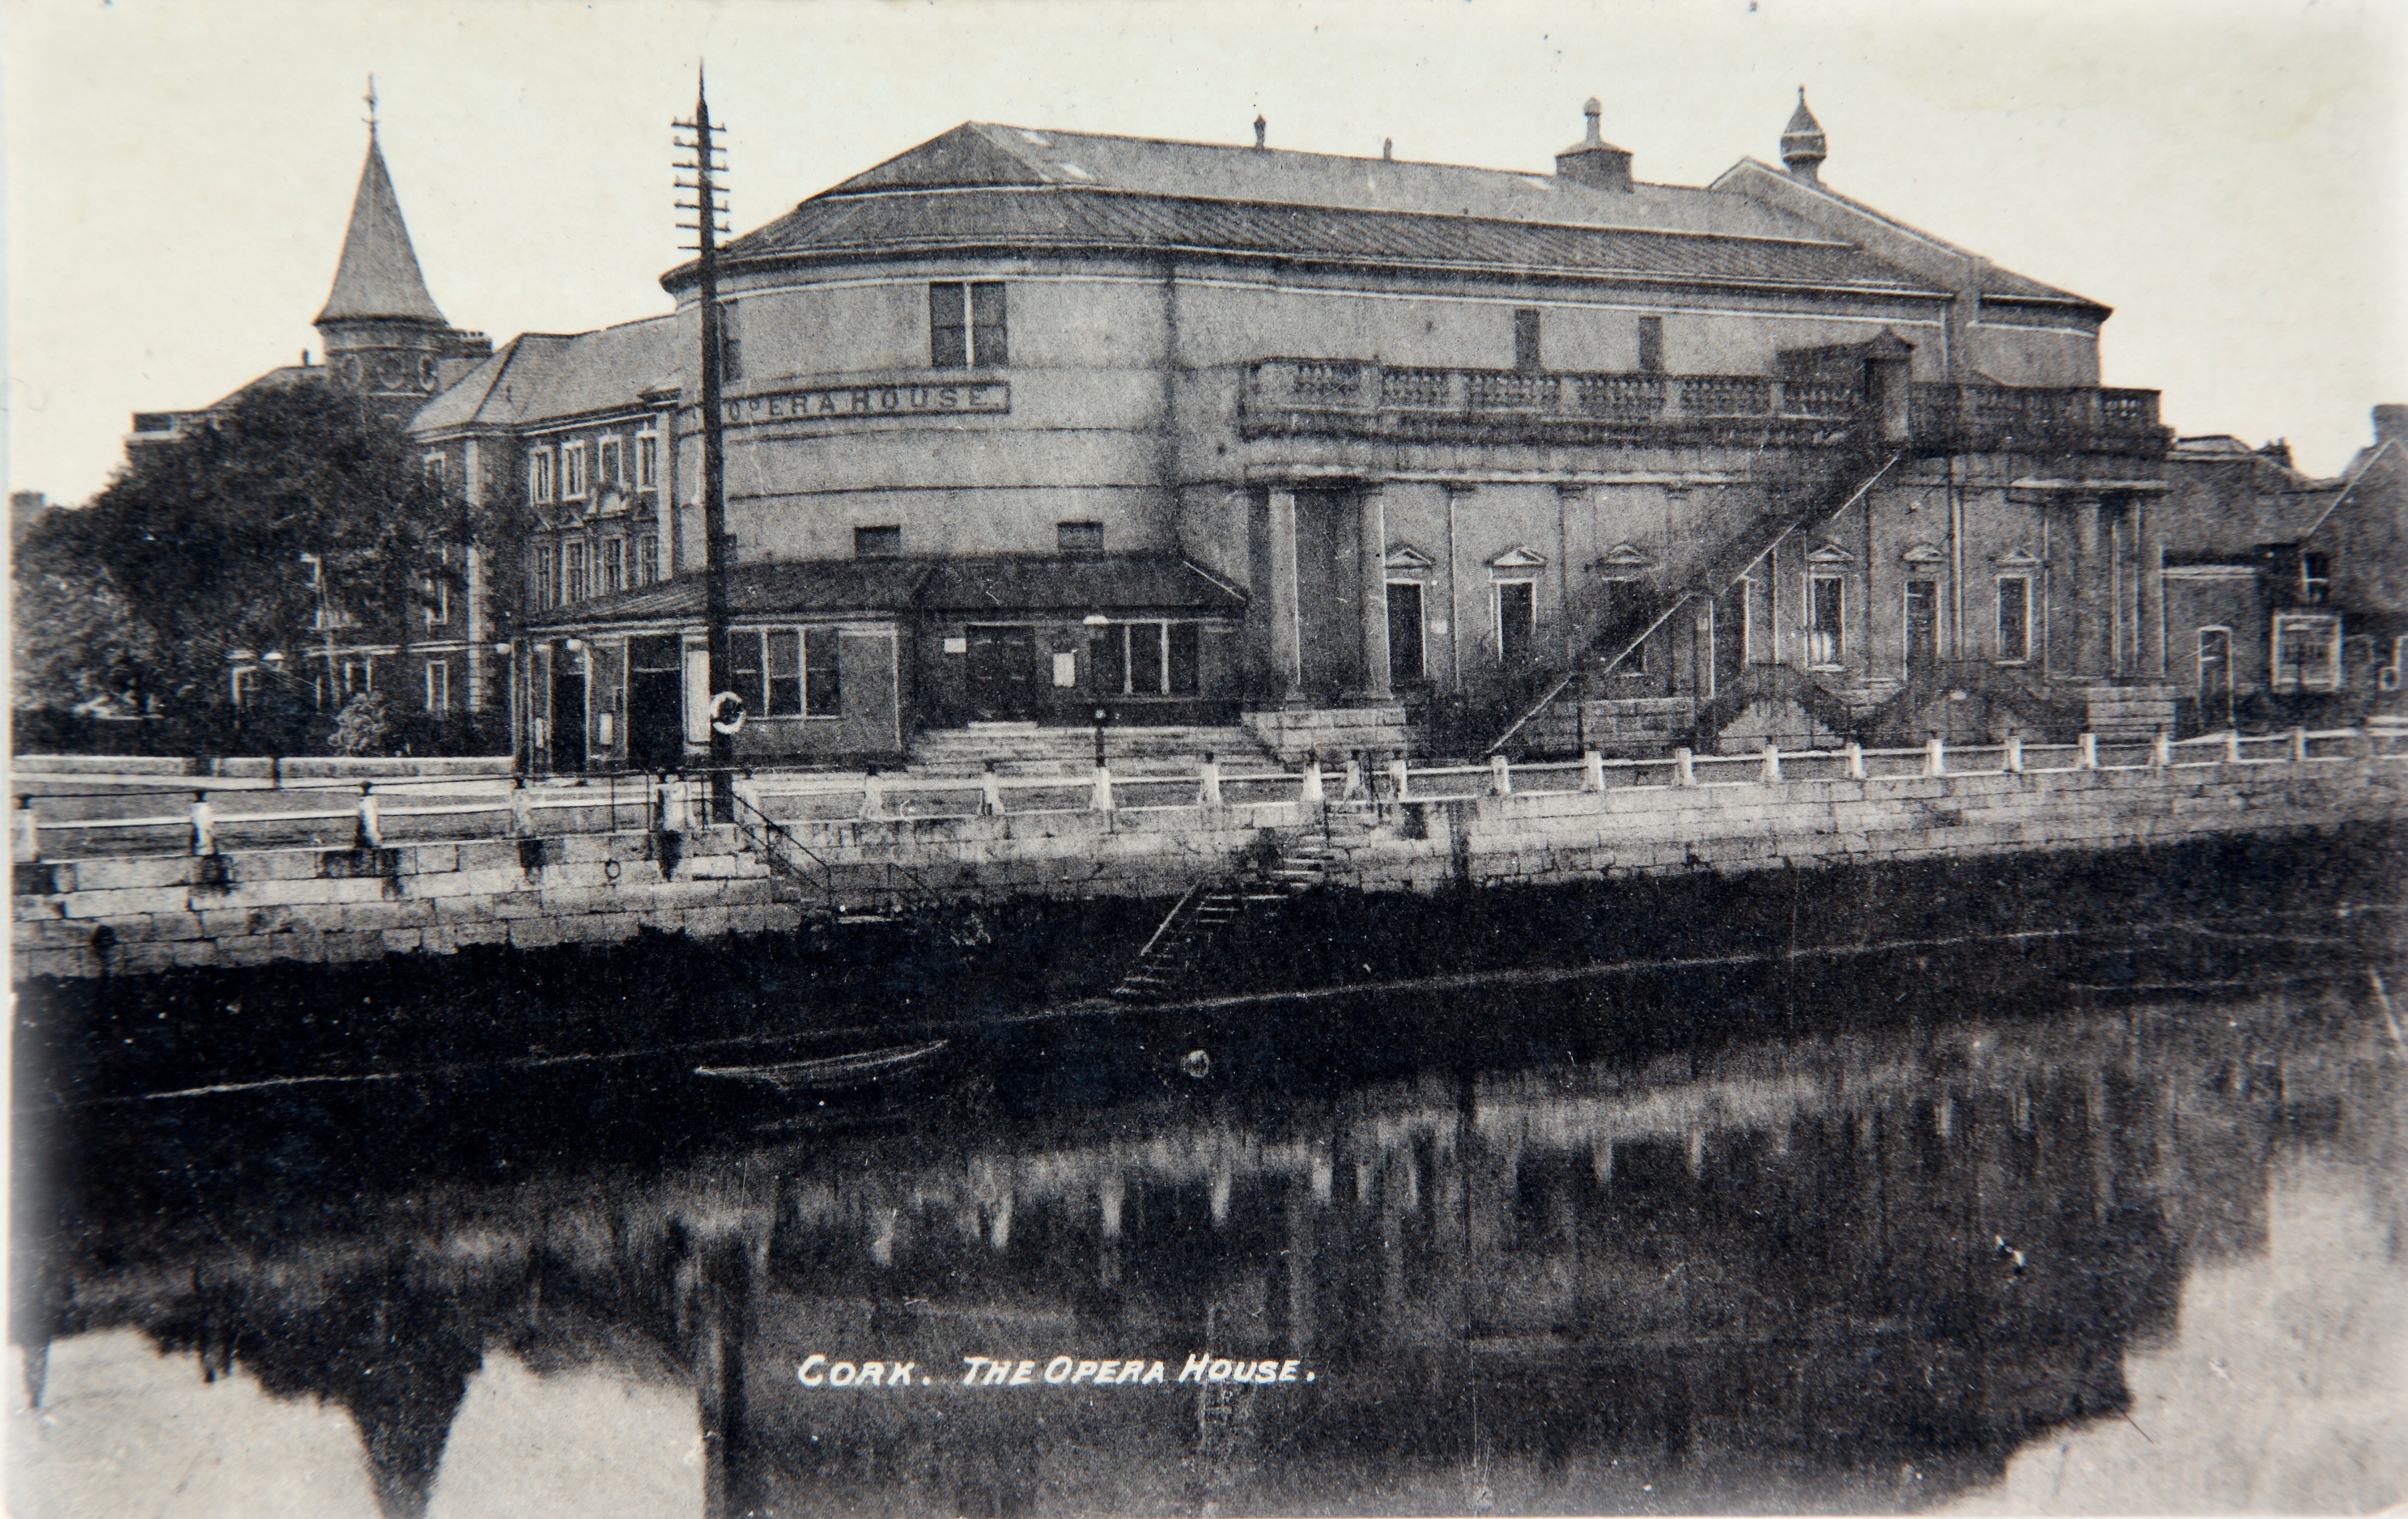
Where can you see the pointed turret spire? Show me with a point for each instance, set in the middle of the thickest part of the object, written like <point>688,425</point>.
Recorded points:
<point>1801,142</point>
<point>377,277</point>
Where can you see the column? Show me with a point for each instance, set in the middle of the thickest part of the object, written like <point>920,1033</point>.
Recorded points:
<point>1275,597</point>
<point>2151,572</point>
<point>1371,535</point>
<point>2089,618</point>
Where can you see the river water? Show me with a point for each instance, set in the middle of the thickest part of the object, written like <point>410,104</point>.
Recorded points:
<point>2058,1248</point>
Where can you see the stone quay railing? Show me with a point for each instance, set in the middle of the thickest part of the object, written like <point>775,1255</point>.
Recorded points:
<point>61,817</point>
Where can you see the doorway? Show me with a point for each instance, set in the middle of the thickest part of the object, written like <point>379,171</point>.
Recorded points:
<point>1405,662</point>
<point>655,705</point>
<point>1922,628</point>
<point>1002,675</point>
<point>568,713</point>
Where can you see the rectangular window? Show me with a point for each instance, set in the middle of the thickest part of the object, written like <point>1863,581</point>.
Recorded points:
<point>744,669</point>
<point>609,459</point>
<point>1107,660</point>
<point>1186,665</point>
<point>434,466</point>
<point>1824,604</point>
<point>968,327</point>
<point>547,584</point>
<point>1526,338</point>
<point>1617,601</point>
<point>2316,578</point>
<point>572,570</point>
<point>439,685</point>
<point>1146,659</point>
<point>436,590</point>
<point>784,662</point>
<point>877,542</point>
<point>539,475</point>
<point>1651,345</point>
<point>786,671</point>
<point>1517,621</point>
<point>572,472</point>
<point>2014,618</point>
<point>614,564</point>
<point>1405,655</point>
<point>2307,652</point>
<point>648,461</point>
<point>647,559</point>
<point>2215,672</point>
<point>1079,537</point>
<point>823,688</point>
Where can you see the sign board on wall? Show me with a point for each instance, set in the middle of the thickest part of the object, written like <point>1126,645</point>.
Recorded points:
<point>957,646</point>
<point>1065,669</point>
<point>856,401</point>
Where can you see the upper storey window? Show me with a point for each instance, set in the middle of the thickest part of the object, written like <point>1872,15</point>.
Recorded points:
<point>573,484</point>
<point>966,326</point>
<point>539,475</point>
<point>1526,339</point>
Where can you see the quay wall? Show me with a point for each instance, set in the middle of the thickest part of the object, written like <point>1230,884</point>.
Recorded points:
<point>90,917</point>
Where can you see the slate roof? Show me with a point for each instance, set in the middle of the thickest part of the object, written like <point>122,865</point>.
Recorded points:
<point>1154,582</point>
<point>378,276</point>
<point>1037,218</point>
<point>537,377</point>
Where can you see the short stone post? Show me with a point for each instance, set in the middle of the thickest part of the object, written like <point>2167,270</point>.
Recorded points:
<point>2161,750</point>
<point>990,791</point>
<point>27,836</point>
<point>1398,772</point>
<point>873,794</point>
<point>1102,801</point>
<point>2232,746</point>
<point>1772,765</point>
<point>748,790</point>
<point>1855,755</point>
<point>1684,767</point>
<point>1592,770</point>
<point>205,830</point>
<point>2299,746</point>
<point>522,819</point>
<point>1309,792</point>
<point>1211,794</point>
<point>2086,753</point>
<point>1354,784</point>
<point>1935,756</point>
<point>371,829</point>
<point>1501,777</point>
<point>2014,759</point>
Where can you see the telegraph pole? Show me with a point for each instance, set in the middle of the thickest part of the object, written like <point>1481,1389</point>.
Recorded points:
<point>707,206</point>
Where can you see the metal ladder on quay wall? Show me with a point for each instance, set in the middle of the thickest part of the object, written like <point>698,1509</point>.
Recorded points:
<point>1197,920</point>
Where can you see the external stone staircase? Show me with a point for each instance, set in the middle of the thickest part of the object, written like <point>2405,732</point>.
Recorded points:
<point>1026,749</point>
<point>1200,921</point>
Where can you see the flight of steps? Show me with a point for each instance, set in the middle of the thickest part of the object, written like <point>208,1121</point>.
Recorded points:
<point>1027,749</point>
<point>1172,957</point>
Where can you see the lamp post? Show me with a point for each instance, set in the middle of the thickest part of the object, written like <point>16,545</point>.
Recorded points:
<point>1095,622</point>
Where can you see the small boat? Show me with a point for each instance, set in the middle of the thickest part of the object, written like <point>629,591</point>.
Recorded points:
<point>834,1073</point>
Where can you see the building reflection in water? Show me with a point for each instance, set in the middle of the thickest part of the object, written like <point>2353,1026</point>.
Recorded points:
<point>1822,1270</point>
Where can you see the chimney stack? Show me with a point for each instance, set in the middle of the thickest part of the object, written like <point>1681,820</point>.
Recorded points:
<point>1802,147</point>
<point>1593,161</point>
<point>1262,131</point>
<point>2392,424</point>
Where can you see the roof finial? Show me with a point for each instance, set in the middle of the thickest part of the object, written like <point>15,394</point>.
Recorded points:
<point>1262,131</point>
<point>1802,147</point>
<point>371,98</point>
<point>1594,110</point>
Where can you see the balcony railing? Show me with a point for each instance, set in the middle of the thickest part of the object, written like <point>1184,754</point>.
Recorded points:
<point>1361,398</point>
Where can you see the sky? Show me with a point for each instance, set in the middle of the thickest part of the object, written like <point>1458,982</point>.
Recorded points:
<point>2227,174</point>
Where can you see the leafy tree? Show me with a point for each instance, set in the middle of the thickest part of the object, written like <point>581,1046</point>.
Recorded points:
<point>203,546</point>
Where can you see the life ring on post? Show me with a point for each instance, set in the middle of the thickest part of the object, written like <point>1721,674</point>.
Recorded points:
<point>719,704</point>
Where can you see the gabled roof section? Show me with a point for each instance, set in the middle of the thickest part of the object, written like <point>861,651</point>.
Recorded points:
<point>377,277</point>
<point>1910,248</point>
<point>538,378</point>
<point>989,154</point>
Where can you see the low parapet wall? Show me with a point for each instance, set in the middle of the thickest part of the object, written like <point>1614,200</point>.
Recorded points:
<point>83,917</point>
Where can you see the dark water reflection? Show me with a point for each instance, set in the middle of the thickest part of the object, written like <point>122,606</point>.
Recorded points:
<point>1872,1268</point>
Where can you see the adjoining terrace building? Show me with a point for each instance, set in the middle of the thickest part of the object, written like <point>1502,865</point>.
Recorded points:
<point>1023,424</point>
